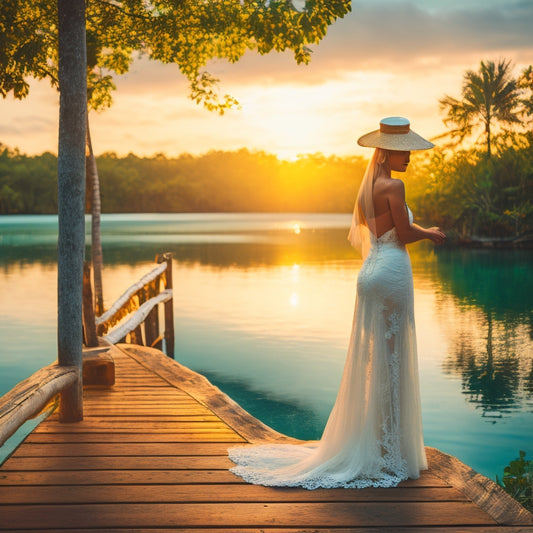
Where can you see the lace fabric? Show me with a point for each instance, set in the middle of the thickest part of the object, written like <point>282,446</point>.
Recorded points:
<point>373,437</point>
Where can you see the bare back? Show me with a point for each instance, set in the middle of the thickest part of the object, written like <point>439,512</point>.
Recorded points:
<point>381,192</point>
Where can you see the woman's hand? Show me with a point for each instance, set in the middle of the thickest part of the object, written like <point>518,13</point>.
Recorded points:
<point>436,235</point>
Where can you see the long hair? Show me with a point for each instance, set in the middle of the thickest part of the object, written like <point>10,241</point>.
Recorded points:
<point>363,219</point>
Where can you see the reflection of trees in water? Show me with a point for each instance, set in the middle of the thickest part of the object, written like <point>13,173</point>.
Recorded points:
<point>490,377</point>
<point>490,330</point>
<point>492,360</point>
<point>528,382</point>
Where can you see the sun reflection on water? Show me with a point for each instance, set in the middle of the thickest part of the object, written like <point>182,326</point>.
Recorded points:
<point>294,299</point>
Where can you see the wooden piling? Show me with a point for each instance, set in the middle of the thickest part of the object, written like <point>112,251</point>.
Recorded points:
<point>151,327</point>
<point>89,325</point>
<point>169,305</point>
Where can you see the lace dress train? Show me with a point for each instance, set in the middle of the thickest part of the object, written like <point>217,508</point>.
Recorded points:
<point>373,436</point>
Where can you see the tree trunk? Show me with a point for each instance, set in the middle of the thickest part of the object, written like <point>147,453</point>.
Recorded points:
<point>96,240</point>
<point>488,132</point>
<point>71,197</point>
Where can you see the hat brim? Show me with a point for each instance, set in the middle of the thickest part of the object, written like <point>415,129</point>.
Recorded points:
<point>394,141</point>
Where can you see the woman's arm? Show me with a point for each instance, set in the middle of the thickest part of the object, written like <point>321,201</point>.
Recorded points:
<point>406,232</point>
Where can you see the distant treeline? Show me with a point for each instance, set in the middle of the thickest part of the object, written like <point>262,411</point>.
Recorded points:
<point>240,181</point>
<point>462,191</point>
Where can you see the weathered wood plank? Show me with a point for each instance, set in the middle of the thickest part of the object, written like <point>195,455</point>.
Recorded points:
<point>143,437</point>
<point>147,381</point>
<point>126,392</point>
<point>178,417</point>
<point>118,477</point>
<point>209,493</point>
<point>125,411</point>
<point>124,477</point>
<point>56,434</point>
<point>111,395</point>
<point>138,390</point>
<point>136,477</point>
<point>141,449</point>
<point>141,425</point>
<point>188,462</point>
<point>142,404</point>
<point>145,410</point>
<point>423,529</point>
<point>343,514</point>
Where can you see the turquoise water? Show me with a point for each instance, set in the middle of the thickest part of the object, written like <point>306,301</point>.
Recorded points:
<point>263,308</point>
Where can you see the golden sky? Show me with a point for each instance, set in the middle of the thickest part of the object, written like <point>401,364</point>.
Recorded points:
<point>388,57</point>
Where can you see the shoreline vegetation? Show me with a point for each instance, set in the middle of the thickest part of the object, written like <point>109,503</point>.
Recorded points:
<point>478,201</point>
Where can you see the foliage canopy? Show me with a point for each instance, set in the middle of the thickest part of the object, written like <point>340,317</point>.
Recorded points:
<point>188,33</point>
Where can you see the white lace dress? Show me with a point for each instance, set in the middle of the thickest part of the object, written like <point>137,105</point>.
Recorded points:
<point>373,437</point>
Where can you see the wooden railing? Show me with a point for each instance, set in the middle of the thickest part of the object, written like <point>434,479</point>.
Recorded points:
<point>141,301</point>
<point>134,317</point>
<point>30,397</point>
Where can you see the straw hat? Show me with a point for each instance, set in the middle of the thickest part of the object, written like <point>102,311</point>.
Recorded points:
<point>394,134</point>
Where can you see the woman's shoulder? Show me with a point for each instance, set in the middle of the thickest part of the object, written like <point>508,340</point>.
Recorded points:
<point>397,184</point>
<point>390,186</point>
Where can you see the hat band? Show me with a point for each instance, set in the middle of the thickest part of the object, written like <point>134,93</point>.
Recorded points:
<point>387,128</point>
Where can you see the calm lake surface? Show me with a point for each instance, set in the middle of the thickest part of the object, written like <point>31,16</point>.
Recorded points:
<point>263,308</point>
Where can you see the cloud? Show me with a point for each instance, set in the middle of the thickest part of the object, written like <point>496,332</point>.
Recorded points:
<point>395,36</point>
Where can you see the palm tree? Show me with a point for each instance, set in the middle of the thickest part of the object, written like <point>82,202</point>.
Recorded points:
<point>489,96</point>
<point>525,82</point>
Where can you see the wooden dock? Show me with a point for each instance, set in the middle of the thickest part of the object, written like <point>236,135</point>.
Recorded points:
<point>151,455</point>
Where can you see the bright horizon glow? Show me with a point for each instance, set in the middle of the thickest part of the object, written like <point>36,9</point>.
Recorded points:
<point>356,77</point>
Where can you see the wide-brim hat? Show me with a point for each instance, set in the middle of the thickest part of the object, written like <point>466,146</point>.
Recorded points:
<point>394,133</point>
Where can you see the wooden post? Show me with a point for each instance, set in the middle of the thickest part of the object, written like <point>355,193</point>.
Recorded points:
<point>151,327</point>
<point>96,236</point>
<point>136,336</point>
<point>169,306</point>
<point>89,326</point>
<point>72,76</point>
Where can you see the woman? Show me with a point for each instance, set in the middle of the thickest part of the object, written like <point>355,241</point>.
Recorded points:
<point>373,436</point>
